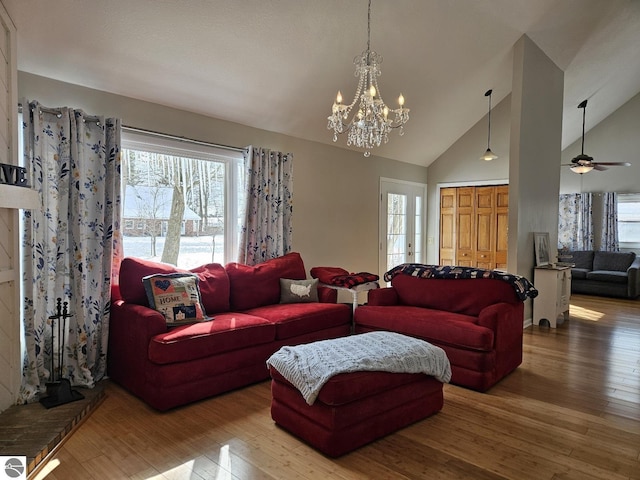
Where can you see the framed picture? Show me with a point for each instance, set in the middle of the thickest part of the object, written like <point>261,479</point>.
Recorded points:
<point>541,246</point>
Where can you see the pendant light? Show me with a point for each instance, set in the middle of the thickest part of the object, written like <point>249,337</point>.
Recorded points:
<point>489,155</point>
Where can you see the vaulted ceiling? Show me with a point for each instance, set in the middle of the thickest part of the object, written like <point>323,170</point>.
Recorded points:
<point>277,64</point>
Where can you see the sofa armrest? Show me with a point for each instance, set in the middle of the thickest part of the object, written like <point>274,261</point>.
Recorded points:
<point>506,320</point>
<point>382,297</point>
<point>138,321</point>
<point>131,328</point>
<point>633,274</point>
<point>327,295</point>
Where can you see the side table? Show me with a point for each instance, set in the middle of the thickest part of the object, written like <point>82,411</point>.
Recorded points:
<point>554,294</point>
<point>363,287</point>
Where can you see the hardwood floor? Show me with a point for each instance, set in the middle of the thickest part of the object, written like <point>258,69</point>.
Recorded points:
<point>570,411</point>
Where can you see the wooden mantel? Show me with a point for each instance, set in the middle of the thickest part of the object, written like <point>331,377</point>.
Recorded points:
<point>12,198</point>
<point>18,197</point>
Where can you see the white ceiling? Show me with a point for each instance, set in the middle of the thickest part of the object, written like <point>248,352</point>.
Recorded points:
<point>277,64</point>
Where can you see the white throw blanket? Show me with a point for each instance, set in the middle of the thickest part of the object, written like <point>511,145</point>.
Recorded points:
<point>308,367</point>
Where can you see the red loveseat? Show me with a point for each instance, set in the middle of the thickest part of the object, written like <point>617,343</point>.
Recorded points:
<point>478,322</point>
<point>167,367</point>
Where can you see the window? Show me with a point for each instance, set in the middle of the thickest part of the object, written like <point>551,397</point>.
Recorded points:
<point>629,221</point>
<point>181,200</point>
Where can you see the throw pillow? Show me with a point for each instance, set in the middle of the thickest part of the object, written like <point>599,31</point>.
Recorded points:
<point>254,286</point>
<point>298,291</point>
<point>176,296</point>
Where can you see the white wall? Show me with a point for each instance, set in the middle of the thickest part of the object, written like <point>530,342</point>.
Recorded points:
<point>535,153</point>
<point>335,219</point>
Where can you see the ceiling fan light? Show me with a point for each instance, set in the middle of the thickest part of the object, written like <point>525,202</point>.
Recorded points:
<point>488,155</point>
<point>581,168</point>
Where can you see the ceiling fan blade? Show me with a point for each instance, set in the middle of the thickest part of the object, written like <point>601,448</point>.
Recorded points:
<point>599,167</point>
<point>617,164</point>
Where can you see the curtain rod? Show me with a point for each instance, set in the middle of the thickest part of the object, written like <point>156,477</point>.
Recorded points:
<point>181,139</point>
<point>58,112</point>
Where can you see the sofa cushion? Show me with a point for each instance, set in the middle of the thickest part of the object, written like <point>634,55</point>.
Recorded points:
<point>582,259</point>
<point>436,326</point>
<point>132,270</point>
<point>610,276</point>
<point>298,291</point>
<point>176,296</point>
<point>579,273</point>
<point>214,287</point>
<point>214,282</point>
<point>227,332</point>
<point>616,261</point>
<point>295,319</point>
<point>464,296</point>
<point>257,285</point>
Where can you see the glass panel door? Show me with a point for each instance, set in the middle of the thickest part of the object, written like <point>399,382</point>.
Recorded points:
<point>401,223</point>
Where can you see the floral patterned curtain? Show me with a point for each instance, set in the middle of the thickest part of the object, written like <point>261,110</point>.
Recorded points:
<point>575,222</point>
<point>609,235</point>
<point>267,229</point>
<point>74,164</point>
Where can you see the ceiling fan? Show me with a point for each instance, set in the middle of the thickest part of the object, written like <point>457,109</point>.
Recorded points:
<point>584,163</point>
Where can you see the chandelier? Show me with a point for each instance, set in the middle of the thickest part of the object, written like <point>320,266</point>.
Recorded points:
<point>371,120</point>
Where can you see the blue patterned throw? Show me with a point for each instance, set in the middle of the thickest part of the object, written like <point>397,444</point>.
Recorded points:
<point>523,287</point>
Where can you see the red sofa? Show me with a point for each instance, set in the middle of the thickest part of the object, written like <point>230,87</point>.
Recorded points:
<point>477,321</point>
<point>167,367</point>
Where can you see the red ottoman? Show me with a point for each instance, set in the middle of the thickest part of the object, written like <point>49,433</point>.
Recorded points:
<point>353,409</point>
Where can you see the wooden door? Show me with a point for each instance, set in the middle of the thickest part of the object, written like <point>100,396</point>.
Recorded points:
<point>474,225</point>
<point>502,226</point>
<point>465,227</point>
<point>448,226</point>
<point>485,227</point>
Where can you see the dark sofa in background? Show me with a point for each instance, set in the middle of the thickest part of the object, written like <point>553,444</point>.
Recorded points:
<point>611,274</point>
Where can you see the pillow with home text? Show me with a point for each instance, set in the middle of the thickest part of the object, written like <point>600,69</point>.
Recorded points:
<point>176,296</point>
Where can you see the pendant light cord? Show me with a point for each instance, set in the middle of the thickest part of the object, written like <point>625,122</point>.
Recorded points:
<point>584,113</point>
<point>488,94</point>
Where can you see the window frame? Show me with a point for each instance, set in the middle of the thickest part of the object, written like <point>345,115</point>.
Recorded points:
<point>628,198</point>
<point>232,158</point>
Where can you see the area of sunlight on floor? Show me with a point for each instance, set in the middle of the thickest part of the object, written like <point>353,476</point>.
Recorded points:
<point>585,313</point>
<point>48,468</point>
<point>181,471</point>
<point>223,470</point>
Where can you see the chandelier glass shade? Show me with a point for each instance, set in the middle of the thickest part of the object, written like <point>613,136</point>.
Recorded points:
<point>367,120</point>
